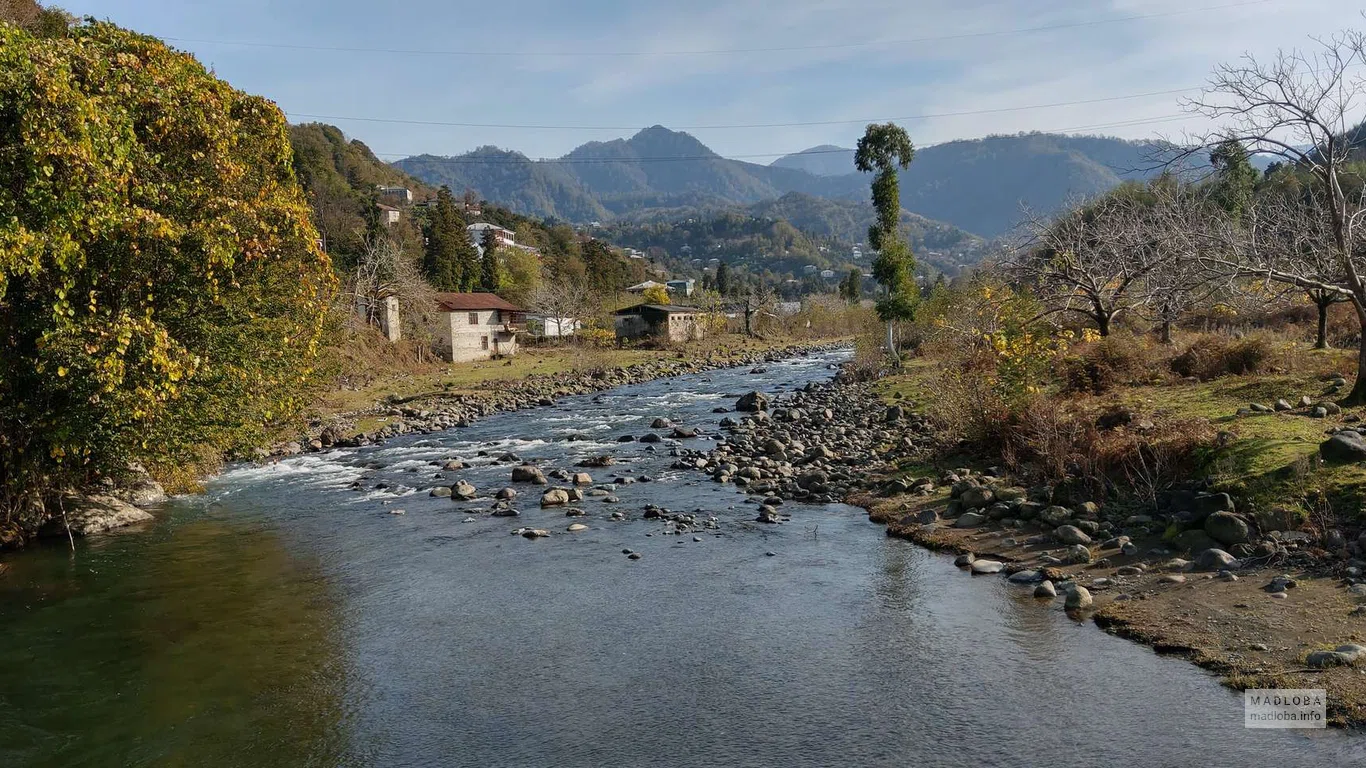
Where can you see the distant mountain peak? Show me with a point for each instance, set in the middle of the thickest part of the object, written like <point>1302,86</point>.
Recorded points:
<point>820,160</point>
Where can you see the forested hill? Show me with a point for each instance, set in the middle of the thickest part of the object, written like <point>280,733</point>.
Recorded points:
<point>981,186</point>
<point>761,231</point>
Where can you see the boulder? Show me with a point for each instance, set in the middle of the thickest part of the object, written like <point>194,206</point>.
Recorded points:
<point>685,432</point>
<point>1070,534</point>
<point>576,527</point>
<point>1194,540</point>
<point>661,423</point>
<point>528,473</point>
<point>506,494</point>
<point>1046,589</point>
<point>463,491</point>
<point>1077,554</point>
<point>977,497</point>
<point>650,437</point>
<point>441,492</point>
<point>984,567</point>
<point>1343,447</point>
<point>1055,515</point>
<point>1227,528</point>
<point>1214,560</point>
<point>88,515</point>
<point>1025,577</point>
<point>1078,599</point>
<point>969,520</point>
<point>752,402</point>
<point>582,478</point>
<point>1342,656</point>
<point>554,497</point>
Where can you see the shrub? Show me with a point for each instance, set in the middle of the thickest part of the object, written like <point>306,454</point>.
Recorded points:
<point>1103,365</point>
<point>162,294</point>
<point>1210,357</point>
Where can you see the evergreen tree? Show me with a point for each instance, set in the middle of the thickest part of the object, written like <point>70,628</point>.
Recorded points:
<point>490,272</point>
<point>723,279</point>
<point>487,268</point>
<point>1236,179</point>
<point>852,286</point>
<point>450,261</point>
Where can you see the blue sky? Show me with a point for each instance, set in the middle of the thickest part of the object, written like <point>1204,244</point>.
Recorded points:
<point>695,63</point>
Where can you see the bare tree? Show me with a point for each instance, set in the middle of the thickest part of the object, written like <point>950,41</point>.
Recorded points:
<point>383,271</point>
<point>1302,107</point>
<point>757,302</point>
<point>562,302</point>
<point>1097,260</point>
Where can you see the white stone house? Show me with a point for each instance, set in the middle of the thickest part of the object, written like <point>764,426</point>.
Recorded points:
<point>476,326</point>
<point>505,237</point>
<point>388,215</point>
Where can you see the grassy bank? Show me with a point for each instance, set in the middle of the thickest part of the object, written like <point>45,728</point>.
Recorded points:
<point>1232,440</point>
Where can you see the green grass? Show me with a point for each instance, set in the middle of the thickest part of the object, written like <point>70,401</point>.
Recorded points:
<point>1271,461</point>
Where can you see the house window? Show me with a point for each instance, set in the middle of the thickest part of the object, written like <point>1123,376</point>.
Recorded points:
<point>483,342</point>
<point>474,318</point>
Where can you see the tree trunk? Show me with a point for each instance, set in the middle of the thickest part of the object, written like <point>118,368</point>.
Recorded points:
<point>1103,324</point>
<point>1166,330</point>
<point>891,346</point>
<point>1321,340</point>
<point>1358,394</point>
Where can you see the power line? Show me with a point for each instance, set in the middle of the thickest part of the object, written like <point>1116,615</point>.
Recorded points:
<point>809,123</point>
<point>522,160</point>
<point>726,51</point>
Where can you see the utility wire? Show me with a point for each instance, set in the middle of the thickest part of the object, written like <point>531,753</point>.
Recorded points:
<point>926,116</point>
<point>726,51</point>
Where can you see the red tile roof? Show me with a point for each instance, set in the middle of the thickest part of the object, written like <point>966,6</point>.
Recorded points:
<point>463,302</point>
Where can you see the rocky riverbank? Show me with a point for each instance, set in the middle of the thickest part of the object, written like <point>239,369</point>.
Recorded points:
<point>1195,577</point>
<point>437,411</point>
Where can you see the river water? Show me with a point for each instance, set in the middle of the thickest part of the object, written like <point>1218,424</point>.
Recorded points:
<point>285,618</point>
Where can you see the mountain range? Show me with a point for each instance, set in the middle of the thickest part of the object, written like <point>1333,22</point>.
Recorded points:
<point>981,186</point>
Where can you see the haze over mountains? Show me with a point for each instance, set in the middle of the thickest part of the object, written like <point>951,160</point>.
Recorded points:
<point>979,186</point>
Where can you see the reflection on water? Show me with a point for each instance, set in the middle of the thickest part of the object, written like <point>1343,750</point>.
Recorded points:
<point>286,619</point>
<point>200,644</point>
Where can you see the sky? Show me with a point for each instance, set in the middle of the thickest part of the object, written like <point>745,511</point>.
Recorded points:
<point>749,78</point>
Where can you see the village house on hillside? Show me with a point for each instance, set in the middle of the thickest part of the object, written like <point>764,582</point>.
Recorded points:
<point>476,326</point>
<point>505,237</point>
<point>388,215</point>
<point>659,321</point>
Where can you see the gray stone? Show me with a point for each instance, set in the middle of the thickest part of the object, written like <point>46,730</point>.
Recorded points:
<point>1046,589</point>
<point>441,492</point>
<point>528,474</point>
<point>554,497</point>
<point>1194,540</point>
<point>969,520</point>
<point>1343,447</point>
<point>89,515</point>
<point>983,567</point>
<point>1077,554</point>
<point>506,494</point>
<point>976,498</point>
<point>1079,598</point>
<point>752,402</point>
<point>1227,528</point>
<point>1342,656</point>
<point>463,490</point>
<point>1025,577</point>
<point>1214,560</point>
<point>582,478</point>
<point>1055,515</point>
<point>1071,534</point>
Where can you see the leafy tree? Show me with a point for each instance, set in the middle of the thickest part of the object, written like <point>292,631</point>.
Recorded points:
<point>162,295</point>
<point>1235,179</point>
<point>883,149</point>
<point>490,271</point>
<point>656,294</point>
<point>723,278</point>
<point>852,286</point>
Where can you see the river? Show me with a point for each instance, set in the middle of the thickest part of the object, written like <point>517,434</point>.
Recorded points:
<point>285,618</point>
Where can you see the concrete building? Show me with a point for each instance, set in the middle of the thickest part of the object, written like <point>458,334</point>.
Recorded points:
<point>658,321</point>
<point>388,215</point>
<point>401,195</point>
<point>476,326</point>
<point>506,237</point>
<point>681,287</point>
<point>549,327</point>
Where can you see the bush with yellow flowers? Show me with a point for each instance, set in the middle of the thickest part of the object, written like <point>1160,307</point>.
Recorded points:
<point>162,293</point>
